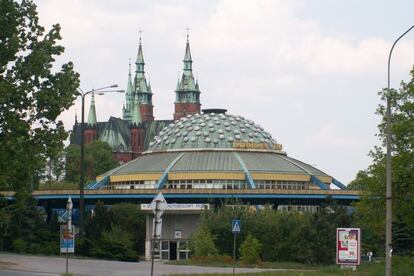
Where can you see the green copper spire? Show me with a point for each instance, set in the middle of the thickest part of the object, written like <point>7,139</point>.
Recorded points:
<point>140,59</point>
<point>187,57</point>
<point>92,112</point>
<point>187,88</point>
<point>140,87</point>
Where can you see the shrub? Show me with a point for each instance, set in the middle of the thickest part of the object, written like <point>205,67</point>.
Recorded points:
<point>202,243</point>
<point>19,245</point>
<point>250,250</point>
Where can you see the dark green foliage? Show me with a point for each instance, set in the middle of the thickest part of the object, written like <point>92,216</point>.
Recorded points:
<point>202,243</point>
<point>32,95</point>
<point>116,244</point>
<point>26,229</point>
<point>371,209</point>
<point>250,250</point>
<point>114,233</point>
<point>98,159</point>
<point>291,237</point>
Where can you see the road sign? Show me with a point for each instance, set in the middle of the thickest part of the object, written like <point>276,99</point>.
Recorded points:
<point>235,226</point>
<point>162,205</point>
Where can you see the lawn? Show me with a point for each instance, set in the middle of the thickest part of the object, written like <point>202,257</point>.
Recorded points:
<point>402,266</point>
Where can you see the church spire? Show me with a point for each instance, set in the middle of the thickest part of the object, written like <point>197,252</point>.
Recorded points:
<point>187,56</point>
<point>92,111</point>
<point>187,93</point>
<point>140,59</point>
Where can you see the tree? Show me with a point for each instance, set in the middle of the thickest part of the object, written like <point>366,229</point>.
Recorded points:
<point>32,94</point>
<point>250,250</point>
<point>98,160</point>
<point>202,243</point>
<point>371,208</point>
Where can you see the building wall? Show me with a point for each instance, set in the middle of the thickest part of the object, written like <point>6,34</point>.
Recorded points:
<point>184,109</point>
<point>146,112</point>
<point>186,223</point>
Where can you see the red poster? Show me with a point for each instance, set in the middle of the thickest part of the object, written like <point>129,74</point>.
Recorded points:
<point>348,246</point>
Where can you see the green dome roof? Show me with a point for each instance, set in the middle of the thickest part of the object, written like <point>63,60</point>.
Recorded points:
<point>213,131</point>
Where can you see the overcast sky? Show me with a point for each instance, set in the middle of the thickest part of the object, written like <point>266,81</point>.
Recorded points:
<point>307,71</point>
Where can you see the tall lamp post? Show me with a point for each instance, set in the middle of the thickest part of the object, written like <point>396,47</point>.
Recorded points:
<point>99,91</point>
<point>388,227</point>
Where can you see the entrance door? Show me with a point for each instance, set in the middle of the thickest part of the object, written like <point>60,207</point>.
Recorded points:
<point>173,250</point>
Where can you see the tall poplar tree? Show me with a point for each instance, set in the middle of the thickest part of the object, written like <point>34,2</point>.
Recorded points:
<point>371,209</point>
<point>32,94</point>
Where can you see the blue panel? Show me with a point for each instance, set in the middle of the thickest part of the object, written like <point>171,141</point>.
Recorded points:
<point>316,181</point>
<point>204,196</point>
<point>100,184</point>
<point>338,184</point>
<point>249,178</point>
<point>164,176</point>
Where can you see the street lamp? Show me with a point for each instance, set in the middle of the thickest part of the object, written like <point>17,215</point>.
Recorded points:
<point>388,227</point>
<point>100,91</point>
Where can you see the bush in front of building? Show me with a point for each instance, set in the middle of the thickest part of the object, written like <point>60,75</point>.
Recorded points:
<point>250,250</point>
<point>202,243</point>
<point>284,237</point>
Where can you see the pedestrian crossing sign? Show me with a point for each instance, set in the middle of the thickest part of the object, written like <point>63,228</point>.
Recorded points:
<point>235,226</point>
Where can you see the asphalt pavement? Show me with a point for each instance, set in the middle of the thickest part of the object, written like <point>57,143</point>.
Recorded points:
<point>24,265</point>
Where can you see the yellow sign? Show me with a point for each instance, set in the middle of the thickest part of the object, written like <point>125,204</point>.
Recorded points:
<point>254,145</point>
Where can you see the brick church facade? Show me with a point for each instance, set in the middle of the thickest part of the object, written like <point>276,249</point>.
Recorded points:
<point>131,135</point>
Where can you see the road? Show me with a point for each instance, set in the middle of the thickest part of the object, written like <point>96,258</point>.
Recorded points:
<point>23,265</point>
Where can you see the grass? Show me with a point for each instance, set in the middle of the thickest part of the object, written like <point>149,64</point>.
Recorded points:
<point>402,266</point>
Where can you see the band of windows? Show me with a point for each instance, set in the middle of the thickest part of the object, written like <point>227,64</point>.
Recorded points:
<point>211,184</point>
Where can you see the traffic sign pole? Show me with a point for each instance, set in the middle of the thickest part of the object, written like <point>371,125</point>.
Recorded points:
<point>235,229</point>
<point>157,202</point>
<point>234,253</point>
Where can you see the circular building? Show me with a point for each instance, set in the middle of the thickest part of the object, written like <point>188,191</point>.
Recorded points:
<point>205,158</point>
<point>216,151</point>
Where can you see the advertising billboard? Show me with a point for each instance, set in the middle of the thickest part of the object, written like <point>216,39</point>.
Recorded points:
<point>348,246</point>
<point>67,239</point>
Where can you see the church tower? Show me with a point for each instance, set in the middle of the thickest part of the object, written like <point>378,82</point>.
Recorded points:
<point>138,89</point>
<point>187,93</point>
<point>137,129</point>
<point>91,133</point>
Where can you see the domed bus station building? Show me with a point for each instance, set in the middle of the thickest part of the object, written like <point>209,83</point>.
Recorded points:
<point>198,160</point>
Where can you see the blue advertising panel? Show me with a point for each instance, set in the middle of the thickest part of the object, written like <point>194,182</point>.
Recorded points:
<point>67,239</point>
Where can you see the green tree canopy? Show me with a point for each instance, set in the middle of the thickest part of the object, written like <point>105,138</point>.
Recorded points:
<point>32,93</point>
<point>98,159</point>
<point>371,209</point>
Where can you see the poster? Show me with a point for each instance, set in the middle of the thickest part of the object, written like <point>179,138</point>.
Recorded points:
<point>67,239</point>
<point>348,246</point>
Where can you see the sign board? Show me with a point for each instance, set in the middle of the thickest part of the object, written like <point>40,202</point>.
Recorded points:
<point>178,234</point>
<point>235,226</point>
<point>162,205</point>
<point>179,207</point>
<point>67,239</point>
<point>348,246</point>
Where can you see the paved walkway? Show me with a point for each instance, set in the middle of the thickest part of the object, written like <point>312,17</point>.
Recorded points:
<point>56,265</point>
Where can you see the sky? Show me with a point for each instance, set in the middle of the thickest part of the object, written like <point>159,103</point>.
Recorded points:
<point>307,71</point>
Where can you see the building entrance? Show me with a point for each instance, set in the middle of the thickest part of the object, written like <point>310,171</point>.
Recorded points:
<point>173,250</point>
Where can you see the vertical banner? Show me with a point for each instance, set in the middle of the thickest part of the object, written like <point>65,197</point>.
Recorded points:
<point>67,239</point>
<point>348,246</point>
